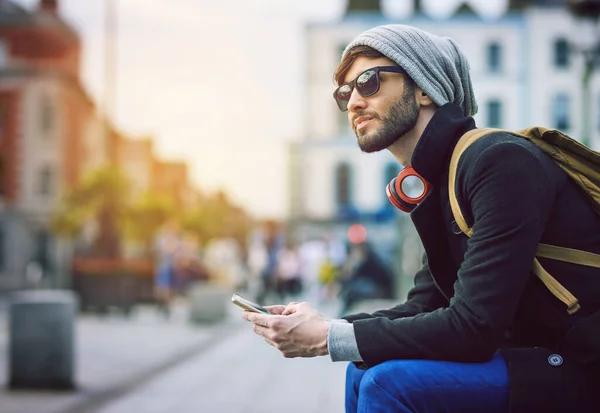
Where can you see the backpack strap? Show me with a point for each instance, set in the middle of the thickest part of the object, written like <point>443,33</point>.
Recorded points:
<point>463,143</point>
<point>568,255</point>
<point>556,288</point>
<point>545,251</point>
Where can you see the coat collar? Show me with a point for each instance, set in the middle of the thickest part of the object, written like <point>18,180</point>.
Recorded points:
<point>434,148</point>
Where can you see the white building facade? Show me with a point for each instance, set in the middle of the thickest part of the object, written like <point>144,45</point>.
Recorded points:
<point>524,73</point>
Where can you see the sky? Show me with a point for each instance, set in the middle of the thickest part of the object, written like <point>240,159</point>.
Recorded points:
<point>217,83</point>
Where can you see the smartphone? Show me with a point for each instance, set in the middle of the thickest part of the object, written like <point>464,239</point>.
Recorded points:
<point>248,305</point>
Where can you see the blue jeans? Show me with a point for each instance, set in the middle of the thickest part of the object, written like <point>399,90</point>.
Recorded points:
<point>428,386</point>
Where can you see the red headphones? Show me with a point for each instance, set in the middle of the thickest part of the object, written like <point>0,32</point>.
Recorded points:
<point>407,189</point>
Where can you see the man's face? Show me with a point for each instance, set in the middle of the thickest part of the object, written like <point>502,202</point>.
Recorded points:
<point>379,120</point>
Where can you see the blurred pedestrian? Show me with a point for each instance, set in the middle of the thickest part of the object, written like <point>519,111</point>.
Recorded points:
<point>331,268</point>
<point>289,279</point>
<point>167,243</point>
<point>368,278</point>
<point>268,279</point>
<point>189,266</point>
<point>256,262</point>
<point>224,261</point>
<point>313,254</point>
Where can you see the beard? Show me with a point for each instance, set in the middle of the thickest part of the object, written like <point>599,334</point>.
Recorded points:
<point>399,119</point>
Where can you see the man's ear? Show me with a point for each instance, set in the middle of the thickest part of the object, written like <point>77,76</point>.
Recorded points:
<point>422,98</point>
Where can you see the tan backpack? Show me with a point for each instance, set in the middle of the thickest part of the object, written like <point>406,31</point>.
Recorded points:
<point>579,162</point>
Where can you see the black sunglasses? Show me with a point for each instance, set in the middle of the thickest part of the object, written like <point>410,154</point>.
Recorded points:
<point>367,84</point>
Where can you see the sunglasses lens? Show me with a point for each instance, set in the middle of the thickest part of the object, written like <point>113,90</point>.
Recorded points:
<point>367,83</point>
<point>342,96</point>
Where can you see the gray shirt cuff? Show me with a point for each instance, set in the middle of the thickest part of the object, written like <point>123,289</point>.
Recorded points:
<point>341,341</point>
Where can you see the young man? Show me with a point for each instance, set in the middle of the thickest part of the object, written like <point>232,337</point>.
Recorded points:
<point>479,332</point>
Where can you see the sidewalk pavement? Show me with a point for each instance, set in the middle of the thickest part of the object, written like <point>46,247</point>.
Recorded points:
<point>147,364</point>
<point>114,354</point>
<point>242,375</point>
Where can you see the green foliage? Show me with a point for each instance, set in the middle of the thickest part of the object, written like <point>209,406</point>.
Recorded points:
<point>217,217</point>
<point>68,223</point>
<point>146,214</point>
<point>103,192</point>
<point>104,195</point>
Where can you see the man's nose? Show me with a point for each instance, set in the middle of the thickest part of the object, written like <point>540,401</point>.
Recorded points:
<point>356,102</point>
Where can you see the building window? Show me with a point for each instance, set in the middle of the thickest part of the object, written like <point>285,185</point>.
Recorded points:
<point>46,115</point>
<point>392,170</point>
<point>3,53</point>
<point>3,117</point>
<point>45,181</point>
<point>2,177</point>
<point>494,58</point>
<point>561,53</point>
<point>2,248</point>
<point>343,185</point>
<point>562,114</point>
<point>494,114</point>
<point>598,112</point>
<point>42,250</point>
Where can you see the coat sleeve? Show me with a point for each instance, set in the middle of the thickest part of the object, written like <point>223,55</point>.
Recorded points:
<point>423,297</point>
<point>507,186</point>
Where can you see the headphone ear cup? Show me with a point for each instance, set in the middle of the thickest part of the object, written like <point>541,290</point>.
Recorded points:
<point>398,198</point>
<point>395,199</point>
<point>404,174</point>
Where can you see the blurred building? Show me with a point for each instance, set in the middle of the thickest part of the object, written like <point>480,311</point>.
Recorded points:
<point>138,162</point>
<point>524,74</point>
<point>51,136</point>
<point>44,111</point>
<point>148,173</point>
<point>171,178</point>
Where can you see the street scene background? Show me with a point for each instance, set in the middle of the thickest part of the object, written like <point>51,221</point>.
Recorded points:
<point>157,157</point>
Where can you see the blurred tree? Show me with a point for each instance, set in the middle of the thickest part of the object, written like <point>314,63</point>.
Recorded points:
<point>102,195</point>
<point>145,215</point>
<point>217,217</point>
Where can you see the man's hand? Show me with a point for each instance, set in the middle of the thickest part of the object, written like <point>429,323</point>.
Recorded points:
<point>296,330</point>
<point>275,309</point>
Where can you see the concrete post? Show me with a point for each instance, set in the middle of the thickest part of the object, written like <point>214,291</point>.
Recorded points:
<point>209,303</point>
<point>41,346</point>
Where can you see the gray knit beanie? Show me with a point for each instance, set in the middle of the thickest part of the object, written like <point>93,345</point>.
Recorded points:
<point>435,63</point>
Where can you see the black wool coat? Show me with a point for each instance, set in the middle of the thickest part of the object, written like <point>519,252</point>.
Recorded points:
<point>476,296</point>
